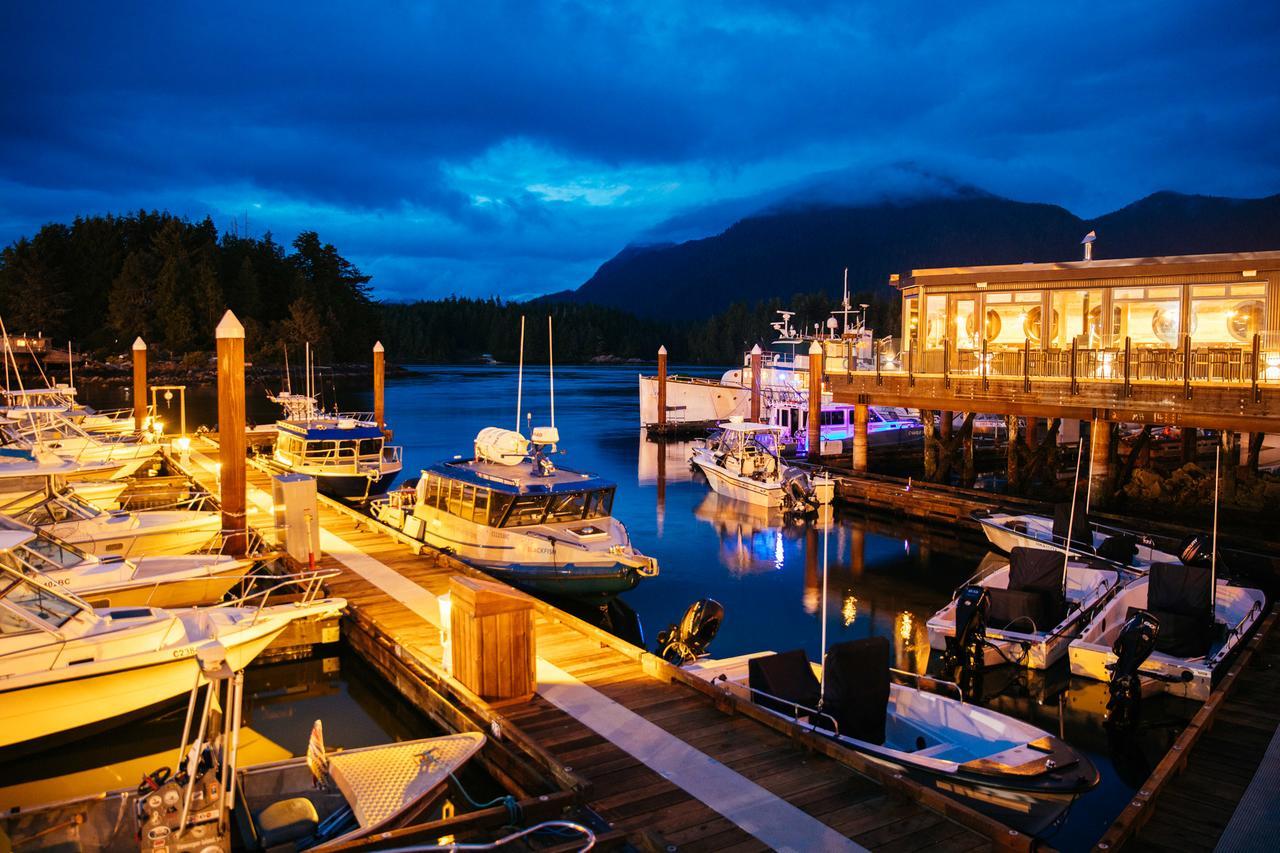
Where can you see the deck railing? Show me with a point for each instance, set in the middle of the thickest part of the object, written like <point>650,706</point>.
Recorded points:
<point>1254,363</point>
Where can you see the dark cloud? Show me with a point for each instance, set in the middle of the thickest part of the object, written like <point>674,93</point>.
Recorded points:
<point>509,148</point>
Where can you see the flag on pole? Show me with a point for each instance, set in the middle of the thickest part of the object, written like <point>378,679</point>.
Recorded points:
<point>317,760</point>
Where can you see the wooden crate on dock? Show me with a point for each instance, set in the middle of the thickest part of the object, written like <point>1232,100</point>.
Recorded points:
<point>493,639</point>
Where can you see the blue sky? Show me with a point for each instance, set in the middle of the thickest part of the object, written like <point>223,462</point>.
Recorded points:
<point>509,149</point>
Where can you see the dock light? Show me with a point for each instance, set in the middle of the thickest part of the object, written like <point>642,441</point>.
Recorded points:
<point>1106,370</point>
<point>1272,373</point>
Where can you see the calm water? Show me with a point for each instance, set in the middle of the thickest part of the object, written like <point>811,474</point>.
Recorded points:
<point>885,577</point>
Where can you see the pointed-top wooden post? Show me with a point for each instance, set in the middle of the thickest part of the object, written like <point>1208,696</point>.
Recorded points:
<point>755,383</point>
<point>662,386</point>
<point>139,383</point>
<point>231,442</point>
<point>379,385</point>
<point>815,402</point>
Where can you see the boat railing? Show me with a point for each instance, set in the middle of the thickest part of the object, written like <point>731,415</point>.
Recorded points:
<point>926,681</point>
<point>796,707</point>
<point>1237,631</point>
<point>310,584</point>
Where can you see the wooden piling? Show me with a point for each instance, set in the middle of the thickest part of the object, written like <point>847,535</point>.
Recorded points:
<point>1190,440</point>
<point>815,400</point>
<point>231,438</point>
<point>755,383</point>
<point>860,437</point>
<point>662,386</point>
<point>379,386</point>
<point>139,383</point>
<point>1029,434</point>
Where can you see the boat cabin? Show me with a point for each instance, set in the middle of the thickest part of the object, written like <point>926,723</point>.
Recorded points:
<point>331,444</point>
<point>495,495</point>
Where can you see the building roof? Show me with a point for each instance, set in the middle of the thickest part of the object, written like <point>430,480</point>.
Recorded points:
<point>1100,267</point>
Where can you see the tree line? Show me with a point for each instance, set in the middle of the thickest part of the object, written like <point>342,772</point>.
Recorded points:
<point>103,280</point>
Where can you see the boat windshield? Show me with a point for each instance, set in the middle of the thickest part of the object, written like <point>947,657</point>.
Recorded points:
<point>527,510</point>
<point>47,550</point>
<point>494,508</point>
<point>29,605</point>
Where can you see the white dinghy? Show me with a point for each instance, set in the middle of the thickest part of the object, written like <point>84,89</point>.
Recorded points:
<point>1034,606</point>
<point>1199,622</point>
<point>1006,531</point>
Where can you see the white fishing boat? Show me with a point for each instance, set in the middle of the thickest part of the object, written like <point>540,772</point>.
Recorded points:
<point>116,422</point>
<point>66,669</point>
<point>1036,602</point>
<point>743,461</point>
<point>187,581</point>
<point>520,517</point>
<point>1199,622</point>
<point>988,759</point>
<point>346,453</point>
<point>1008,530</point>
<point>47,428</point>
<point>117,533</point>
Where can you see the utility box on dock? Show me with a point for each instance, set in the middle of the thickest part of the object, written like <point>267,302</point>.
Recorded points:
<point>492,635</point>
<point>297,521</point>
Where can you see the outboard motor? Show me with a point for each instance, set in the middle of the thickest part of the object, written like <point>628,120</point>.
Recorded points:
<point>688,641</point>
<point>1136,642</point>
<point>799,489</point>
<point>1195,550</point>
<point>967,648</point>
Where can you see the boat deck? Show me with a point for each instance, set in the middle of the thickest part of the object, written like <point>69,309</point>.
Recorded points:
<point>660,757</point>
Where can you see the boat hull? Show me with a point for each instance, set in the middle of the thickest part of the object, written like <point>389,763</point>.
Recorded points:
<point>354,486</point>
<point>187,592</point>
<point>170,540</point>
<point>740,489</point>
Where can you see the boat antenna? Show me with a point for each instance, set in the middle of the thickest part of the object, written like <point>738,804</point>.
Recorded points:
<point>71,368</point>
<point>1071,519</point>
<point>551,367</point>
<point>520,375</point>
<point>1213,541</point>
<point>822,688</point>
<point>288,377</point>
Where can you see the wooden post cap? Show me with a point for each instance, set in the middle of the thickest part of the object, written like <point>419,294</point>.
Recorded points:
<point>139,343</point>
<point>229,327</point>
<point>377,347</point>
<point>662,350</point>
<point>755,350</point>
<point>486,597</point>
<point>815,348</point>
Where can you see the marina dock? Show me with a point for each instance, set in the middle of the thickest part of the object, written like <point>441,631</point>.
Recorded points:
<point>667,759</point>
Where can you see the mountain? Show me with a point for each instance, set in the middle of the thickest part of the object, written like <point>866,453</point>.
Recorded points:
<point>797,250</point>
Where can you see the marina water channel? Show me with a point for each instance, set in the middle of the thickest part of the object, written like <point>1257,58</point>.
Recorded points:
<point>885,577</point>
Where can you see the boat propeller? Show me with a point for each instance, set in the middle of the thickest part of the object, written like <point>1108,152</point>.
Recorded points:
<point>688,641</point>
<point>1135,643</point>
<point>966,649</point>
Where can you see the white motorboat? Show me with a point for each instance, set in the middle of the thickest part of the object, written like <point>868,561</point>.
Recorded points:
<point>117,422</point>
<point>66,668</point>
<point>187,581</point>
<point>48,428</point>
<point>1007,530</point>
<point>515,514</point>
<point>116,533</point>
<point>1199,622</point>
<point>1035,605</point>
<point>989,759</point>
<point>743,461</point>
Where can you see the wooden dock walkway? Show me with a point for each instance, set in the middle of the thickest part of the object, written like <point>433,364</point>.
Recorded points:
<point>650,749</point>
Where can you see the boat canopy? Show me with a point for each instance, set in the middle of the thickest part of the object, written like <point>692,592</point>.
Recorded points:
<point>330,430</point>
<point>468,494</point>
<point>515,481</point>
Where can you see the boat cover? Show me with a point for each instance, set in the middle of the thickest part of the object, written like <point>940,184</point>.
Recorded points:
<point>786,675</point>
<point>857,687</point>
<point>1081,533</point>
<point>1181,599</point>
<point>1034,591</point>
<point>381,782</point>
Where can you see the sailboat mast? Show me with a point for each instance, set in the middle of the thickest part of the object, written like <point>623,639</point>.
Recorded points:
<point>71,368</point>
<point>520,376</point>
<point>288,377</point>
<point>551,368</point>
<point>822,655</point>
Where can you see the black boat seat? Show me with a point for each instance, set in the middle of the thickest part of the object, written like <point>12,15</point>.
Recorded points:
<point>1034,573</point>
<point>286,821</point>
<point>787,676</point>
<point>1181,599</point>
<point>1120,548</point>
<point>857,687</point>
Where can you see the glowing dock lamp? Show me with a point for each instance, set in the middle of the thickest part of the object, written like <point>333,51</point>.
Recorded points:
<point>1272,373</point>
